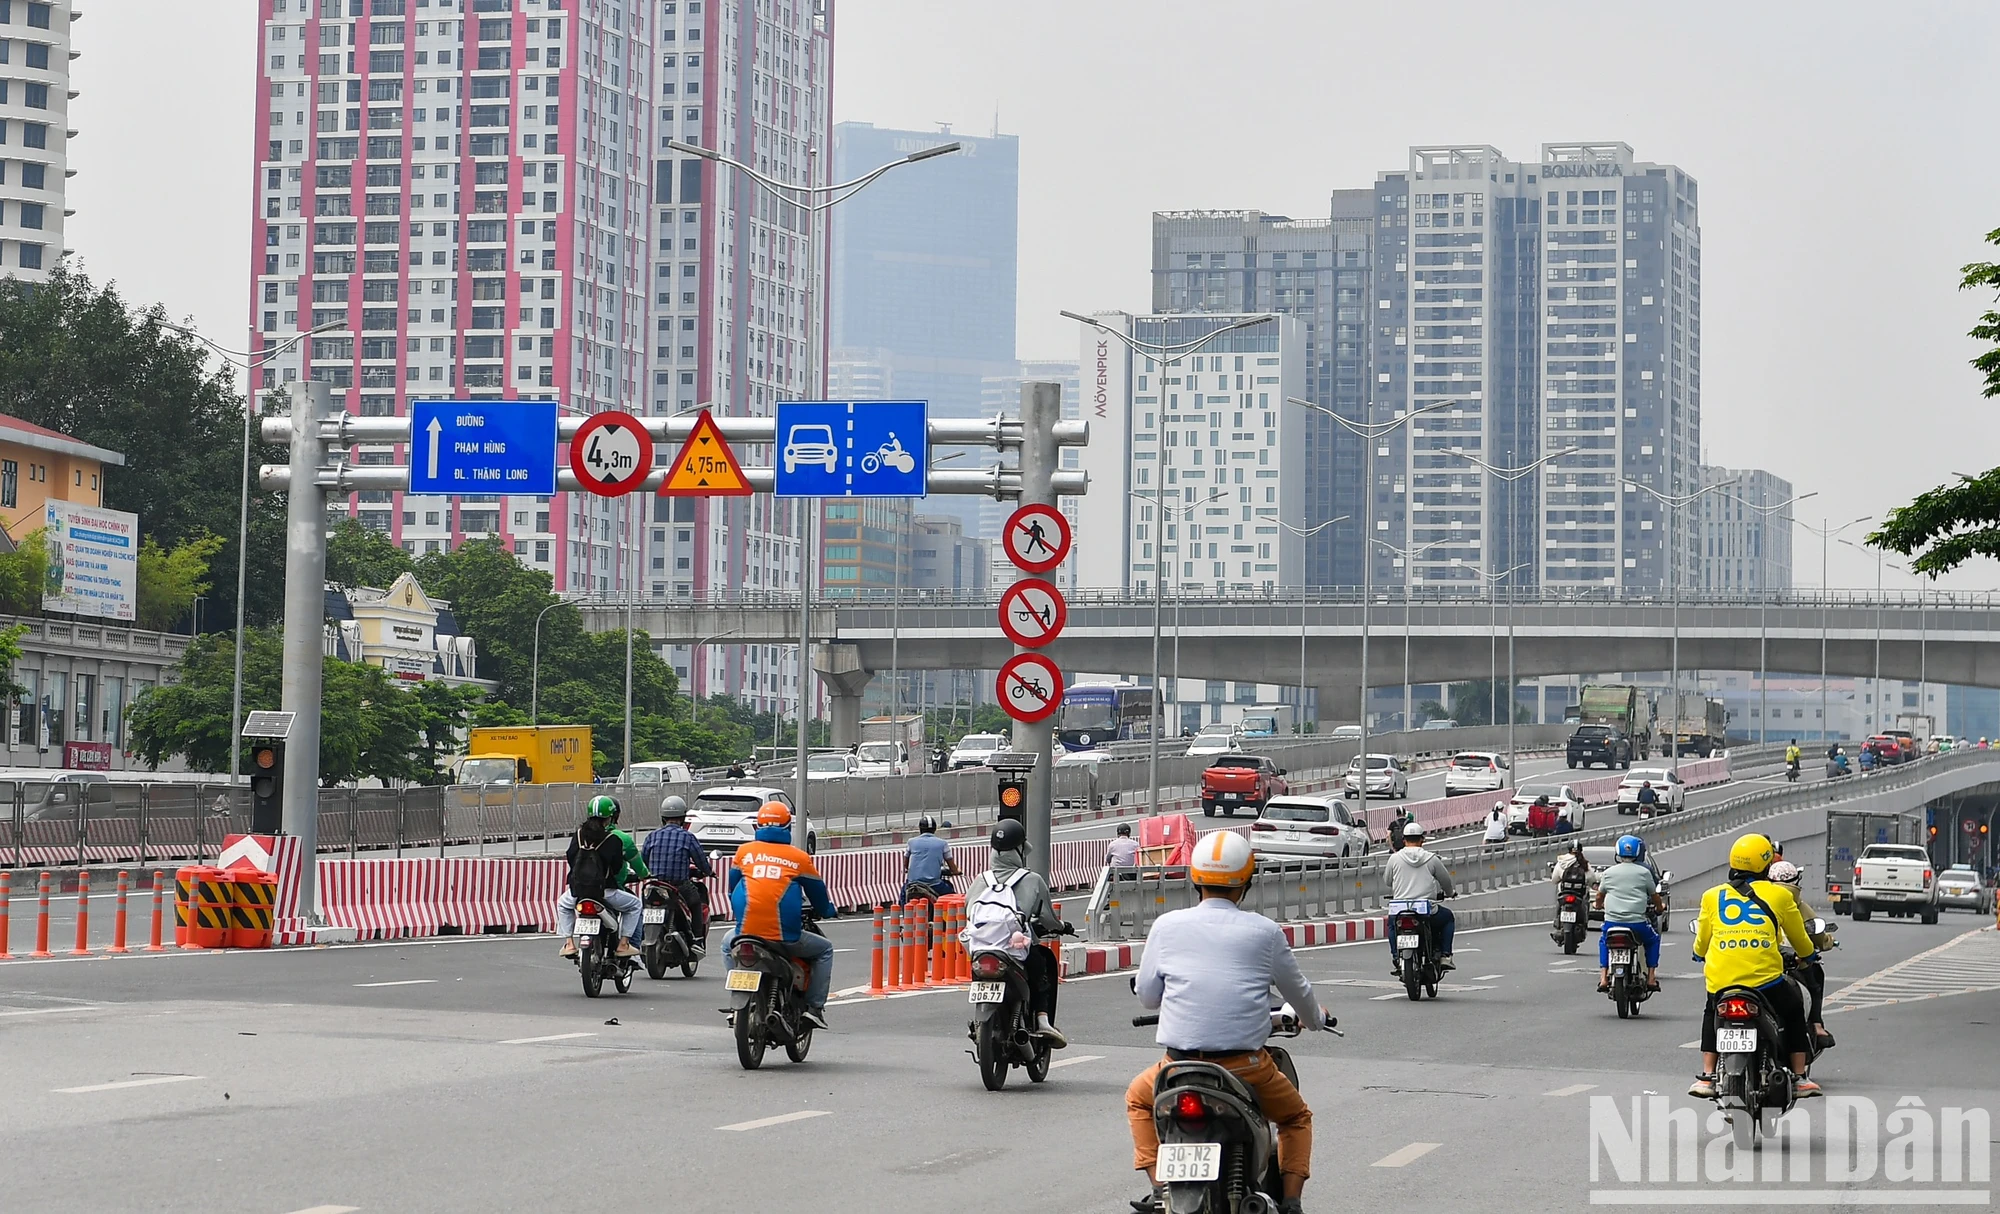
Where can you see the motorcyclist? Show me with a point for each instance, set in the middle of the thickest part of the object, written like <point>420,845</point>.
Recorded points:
<point>736,769</point>
<point>927,860</point>
<point>635,864</point>
<point>1571,874</point>
<point>600,877</point>
<point>1628,894</point>
<point>1009,843</point>
<point>1209,970</point>
<point>1649,799</point>
<point>1737,939</point>
<point>1124,849</point>
<point>770,882</point>
<point>1792,754</point>
<point>1416,875</point>
<point>1496,826</point>
<point>675,856</point>
<point>1396,828</point>
<point>1811,973</point>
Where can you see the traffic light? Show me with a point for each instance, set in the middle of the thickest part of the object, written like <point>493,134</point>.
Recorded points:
<point>267,786</point>
<point>1014,796</point>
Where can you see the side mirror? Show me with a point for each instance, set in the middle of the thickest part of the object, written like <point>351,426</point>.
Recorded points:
<point>1693,926</point>
<point>1667,877</point>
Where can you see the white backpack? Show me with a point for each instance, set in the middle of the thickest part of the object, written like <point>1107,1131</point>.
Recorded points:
<point>993,919</point>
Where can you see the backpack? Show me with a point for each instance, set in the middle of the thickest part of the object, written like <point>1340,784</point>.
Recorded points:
<point>994,922</point>
<point>587,877</point>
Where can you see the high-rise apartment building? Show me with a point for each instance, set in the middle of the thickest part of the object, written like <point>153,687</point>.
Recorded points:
<point>34,134</point>
<point>477,201</point>
<point>1743,532</point>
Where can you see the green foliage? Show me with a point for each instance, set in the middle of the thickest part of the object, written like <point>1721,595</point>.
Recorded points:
<point>356,556</point>
<point>24,573</point>
<point>10,653</point>
<point>171,580</point>
<point>1975,276</point>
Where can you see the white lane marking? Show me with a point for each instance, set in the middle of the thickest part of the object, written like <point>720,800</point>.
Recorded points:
<point>1572,1090</point>
<point>551,1037</point>
<point>44,1011</point>
<point>327,1210</point>
<point>149,1081</point>
<point>1409,1154</point>
<point>404,982</point>
<point>780,1119</point>
<point>1488,977</point>
<point>1073,1061</point>
<point>1690,1045</point>
<point>1380,998</point>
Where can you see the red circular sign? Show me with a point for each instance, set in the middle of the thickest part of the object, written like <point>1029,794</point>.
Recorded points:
<point>611,453</point>
<point>1029,687</point>
<point>1032,613</point>
<point>1036,538</point>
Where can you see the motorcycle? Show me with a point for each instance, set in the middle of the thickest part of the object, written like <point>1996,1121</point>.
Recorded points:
<point>767,1000</point>
<point>596,958</point>
<point>1836,767</point>
<point>1416,949</point>
<point>1218,1152</point>
<point>1625,952</point>
<point>1572,917</point>
<point>1754,1086</point>
<point>1002,1027</point>
<point>667,936</point>
<point>1792,772</point>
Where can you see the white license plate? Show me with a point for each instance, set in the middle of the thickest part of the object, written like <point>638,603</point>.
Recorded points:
<point>654,914</point>
<point>987,992</point>
<point>743,980</point>
<point>1406,942</point>
<point>1735,1041</point>
<point>1185,1161</point>
<point>1621,956</point>
<point>1569,916</point>
<point>1232,796</point>
<point>587,925</point>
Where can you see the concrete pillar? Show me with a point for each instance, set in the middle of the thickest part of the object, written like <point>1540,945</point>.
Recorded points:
<point>841,673</point>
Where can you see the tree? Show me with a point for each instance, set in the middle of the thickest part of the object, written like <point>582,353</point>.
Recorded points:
<point>356,556</point>
<point>170,581</point>
<point>1954,523</point>
<point>24,573</point>
<point>10,653</point>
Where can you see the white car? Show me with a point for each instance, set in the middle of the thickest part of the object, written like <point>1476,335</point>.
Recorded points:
<point>652,775</point>
<point>1561,796</point>
<point>1342,732</point>
<point>1475,771</point>
<point>832,767</point>
<point>1308,826</point>
<point>1387,777</point>
<point>1216,740</point>
<point>974,749</point>
<point>725,818</point>
<point>1667,786</point>
<point>878,759</point>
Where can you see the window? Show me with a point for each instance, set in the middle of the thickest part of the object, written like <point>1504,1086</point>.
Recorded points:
<point>35,96</point>
<point>10,483</point>
<point>31,257</point>
<point>33,134</point>
<point>38,15</point>
<point>31,214</point>
<point>33,175</point>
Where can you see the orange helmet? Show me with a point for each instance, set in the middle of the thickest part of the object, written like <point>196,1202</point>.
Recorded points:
<point>774,813</point>
<point>1222,858</point>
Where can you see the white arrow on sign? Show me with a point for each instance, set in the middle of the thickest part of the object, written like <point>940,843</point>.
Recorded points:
<point>249,848</point>
<point>434,429</point>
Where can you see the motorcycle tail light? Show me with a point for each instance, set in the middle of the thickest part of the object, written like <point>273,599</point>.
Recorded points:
<point>587,907</point>
<point>746,955</point>
<point>1406,923</point>
<point>986,965</point>
<point>1736,1009</point>
<point>1189,1107</point>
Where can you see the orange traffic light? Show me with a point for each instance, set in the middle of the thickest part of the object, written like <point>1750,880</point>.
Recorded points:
<point>1013,796</point>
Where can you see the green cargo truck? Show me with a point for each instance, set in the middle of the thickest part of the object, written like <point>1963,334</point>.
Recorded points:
<point>1623,707</point>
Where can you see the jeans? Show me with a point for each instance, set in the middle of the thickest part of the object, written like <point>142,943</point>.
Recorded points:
<point>1041,967</point>
<point>622,901</point>
<point>1443,926</point>
<point>1276,1096</point>
<point>1643,930</point>
<point>694,898</point>
<point>816,949</point>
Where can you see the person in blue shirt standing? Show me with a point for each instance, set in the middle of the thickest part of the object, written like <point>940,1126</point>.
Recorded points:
<point>927,861</point>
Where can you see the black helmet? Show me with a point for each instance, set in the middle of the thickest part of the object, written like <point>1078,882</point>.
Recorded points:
<point>926,824</point>
<point>1124,828</point>
<point>1010,835</point>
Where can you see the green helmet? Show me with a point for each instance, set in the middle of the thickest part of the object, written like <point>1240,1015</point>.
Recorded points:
<point>602,807</point>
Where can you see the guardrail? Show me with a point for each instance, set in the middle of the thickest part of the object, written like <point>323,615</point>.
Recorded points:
<point>1125,902</point>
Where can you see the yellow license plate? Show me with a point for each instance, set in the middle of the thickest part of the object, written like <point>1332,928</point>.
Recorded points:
<point>743,980</point>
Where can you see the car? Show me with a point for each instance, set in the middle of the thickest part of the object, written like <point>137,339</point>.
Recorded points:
<point>1887,750</point>
<point>837,766</point>
<point>653,775</point>
<point>1238,779</point>
<point>724,818</point>
<point>1912,748</point>
<point>1562,796</point>
<point>974,749</point>
<point>1216,740</point>
<point>1308,826</point>
<point>1598,744</point>
<point>1668,786</point>
<point>1440,723</point>
<point>1092,763</point>
<point>1961,886</point>
<point>1387,777</point>
<point>1342,733</point>
<point>879,759</point>
<point>811,444</point>
<point>1475,771</point>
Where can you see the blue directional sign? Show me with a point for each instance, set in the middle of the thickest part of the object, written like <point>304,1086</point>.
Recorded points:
<point>862,448</point>
<point>482,446</point>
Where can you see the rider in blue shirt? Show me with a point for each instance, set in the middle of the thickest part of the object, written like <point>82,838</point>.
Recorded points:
<point>927,860</point>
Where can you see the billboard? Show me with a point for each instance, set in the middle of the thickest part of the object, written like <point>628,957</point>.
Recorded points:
<point>93,561</point>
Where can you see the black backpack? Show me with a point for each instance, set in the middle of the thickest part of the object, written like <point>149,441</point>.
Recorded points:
<point>588,877</point>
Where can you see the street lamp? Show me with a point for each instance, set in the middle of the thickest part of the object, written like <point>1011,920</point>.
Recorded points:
<point>1408,558</point>
<point>1369,432</point>
<point>1159,547</point>
<point>896,605</point>
<point>1673,503</point>
<point>243,504</point>
<point>1306,533</point>
<point>535,669</point>
<point>813,200</point>
<point>1764,603</point>
<point>694,655</point>
<point>1165,354</point>
<point>1826,531</point>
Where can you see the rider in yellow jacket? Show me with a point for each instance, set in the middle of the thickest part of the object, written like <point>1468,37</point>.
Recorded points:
<point>1737,940</point>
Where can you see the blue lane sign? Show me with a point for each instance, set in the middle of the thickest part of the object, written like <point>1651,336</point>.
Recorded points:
<point>482,446</point>
<point>864,448</point>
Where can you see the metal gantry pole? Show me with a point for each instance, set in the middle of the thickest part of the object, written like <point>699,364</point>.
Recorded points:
<point>305,633</point>
<point>631,594</point>
<point>801,829</point>
<point>1041,408</point>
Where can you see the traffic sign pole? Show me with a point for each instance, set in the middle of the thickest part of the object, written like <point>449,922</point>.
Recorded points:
<point>1041,409</point>
<point>305,634</point>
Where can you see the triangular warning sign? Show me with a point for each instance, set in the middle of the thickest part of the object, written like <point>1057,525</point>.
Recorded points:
<point>705,467</point>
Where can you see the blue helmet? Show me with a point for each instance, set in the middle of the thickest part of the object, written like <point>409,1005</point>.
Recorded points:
<point>1631,847</point>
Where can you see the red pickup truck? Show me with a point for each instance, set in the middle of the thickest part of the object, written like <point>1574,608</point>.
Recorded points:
<point>1236,779</point>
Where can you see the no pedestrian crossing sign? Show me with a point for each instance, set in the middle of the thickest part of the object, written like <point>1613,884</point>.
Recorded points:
<point>1036,538</point>
<point>482,446</point>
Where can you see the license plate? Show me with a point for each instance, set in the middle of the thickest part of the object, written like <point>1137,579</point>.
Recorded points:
<point>1406,942</point>
<point>654,914</point>
<point>1184,1161</point>
<point>587,926</point>
<point>1621,956</point>
<point>1232,796</point>
<point>1569,916</point>
<point>1736,1041</point>
<point>987,992</point>
<point>743,980</point>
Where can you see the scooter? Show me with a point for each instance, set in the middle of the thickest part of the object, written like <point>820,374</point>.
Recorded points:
<point>1754,1085</point>
<point>667,936</point>
<point>1792,772</point>
<point>1572,918</point>
<point>596,957</point>
<point>767,1000</point>
<point>1002,1028</point>
<point>1416,950</point>
<point>1625,953</point>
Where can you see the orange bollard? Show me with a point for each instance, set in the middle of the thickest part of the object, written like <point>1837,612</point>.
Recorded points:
<point>875,955</point>
<point>118,919</point>
<point>6,912</point>
<point>184,890</point>
<point>82,914</point>
<point>896,937</point>
<point>940,950</point>
<point>42,921</point>
<point>913,947</point>
<point>159,893</point>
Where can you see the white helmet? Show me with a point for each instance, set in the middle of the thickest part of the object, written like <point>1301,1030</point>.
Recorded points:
<point>1784,872</point>
<point>1222,858</point>
<point>1413,829</point>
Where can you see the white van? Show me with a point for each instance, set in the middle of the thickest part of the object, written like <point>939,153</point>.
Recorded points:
<point>652,775</point>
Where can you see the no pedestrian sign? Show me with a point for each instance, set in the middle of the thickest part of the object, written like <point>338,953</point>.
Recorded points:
<point>611,453</point>
<point>1029,687</point>
<point>1036,538</point>
<point>1032,613</point>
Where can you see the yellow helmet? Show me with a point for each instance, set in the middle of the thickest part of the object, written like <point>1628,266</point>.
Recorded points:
<point>1751,854</point>
<point>1222,858</point>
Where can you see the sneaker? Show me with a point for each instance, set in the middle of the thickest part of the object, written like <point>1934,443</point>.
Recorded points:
<point>1049,1032</point>
<point>1152,1203</point>
<point>1825,1039</point>
<point>699,948</point>
<point>816,1017</point>
<point>625,949</point>
<point>1805,1089</point>
<point>1447,964</point>
<point>568,947</point>
<point>1703,1087</point>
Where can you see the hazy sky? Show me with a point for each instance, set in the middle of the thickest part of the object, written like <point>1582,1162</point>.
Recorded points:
<point>1843,150</point>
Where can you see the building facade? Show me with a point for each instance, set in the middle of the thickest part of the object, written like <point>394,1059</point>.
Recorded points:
<point>39,465</point>
<point>1744,531</point>
<point>35,54</point>
<point>403,630</point>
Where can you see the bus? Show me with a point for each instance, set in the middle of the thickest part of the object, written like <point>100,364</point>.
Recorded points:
<point>1098,714</point>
